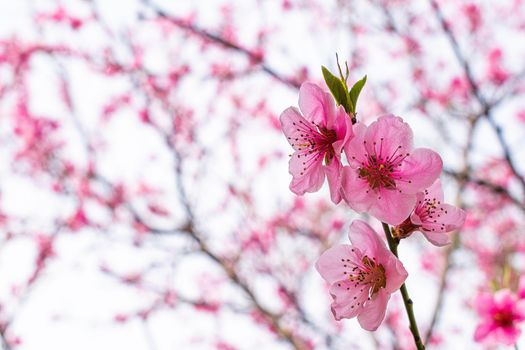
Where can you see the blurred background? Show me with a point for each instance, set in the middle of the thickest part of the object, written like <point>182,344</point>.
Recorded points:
<point>144,198</point>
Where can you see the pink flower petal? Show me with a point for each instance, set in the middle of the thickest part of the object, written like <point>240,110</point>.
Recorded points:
<point>355,149</point>
<point>483,303</point>
<point>374,311</point>
<point>414,217</point>
<point>343,129</point>
<point>482,331</point>
<point>447,218</point>
<point>521,288</point>
<point>520,309</point>
<point>317,105</point>
<point>366,239</point>
<point>508,335</point>
<point>504,298</point>
<point>290,119</point>
<point>348,300</point>
<point>396,273</point>
<point>392,207</point>
<point>330,264</point>
<point>306,180</point>
<point>333,174</point>
<point>387,136</point>
<point>419,170</point>
<point>355,190</point>
<point>435,191</point>
<point>438,239</point>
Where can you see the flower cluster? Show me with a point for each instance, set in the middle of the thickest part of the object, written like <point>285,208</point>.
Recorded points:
<point>375,169</point>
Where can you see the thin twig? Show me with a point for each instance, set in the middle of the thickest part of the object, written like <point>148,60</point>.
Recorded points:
<point>487,108</point>
<point>496,189</point>
<point>409,304</point>
<point>189,229</point>
<point>204,34</point>
<point>462,181</point>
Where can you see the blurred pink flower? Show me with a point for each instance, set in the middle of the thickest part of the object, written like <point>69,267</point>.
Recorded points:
<point>384,172</point>
<point>320,132</point>
<point>432,217</point>
<point>496,73</point>
<point>473,14</point>
<point>500,314</point>
<point>521,288</point>
<point>361,276</point>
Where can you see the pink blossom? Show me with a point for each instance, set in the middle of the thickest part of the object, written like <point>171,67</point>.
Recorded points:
<point>362,276</point>
<point>432,217</point>
<point>78,220</point>
<point>521,288</point>
<point>320,132</point>
<point>521,115</point>
<point>500,314</point>
<point>473,14</point>
<point>385,173</point>
<point>496,73</point>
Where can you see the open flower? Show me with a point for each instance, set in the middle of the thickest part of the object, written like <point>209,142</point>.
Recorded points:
<point>361,276</point>
<point>500,315</point>
<point>385,173</point>
<point>432,217</point>
<point>317,135</point>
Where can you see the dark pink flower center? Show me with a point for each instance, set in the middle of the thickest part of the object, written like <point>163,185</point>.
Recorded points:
<point>503,318</point>
<point>312,143</point>
<point>379,170</point>
<point>367,275</point>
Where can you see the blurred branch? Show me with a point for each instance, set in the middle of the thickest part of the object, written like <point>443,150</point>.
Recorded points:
<point>436,313</point>
<point>214,38</point>
<point>487,108</point>
<point>407,301</point>
<point>190,230</point>
<point>3,339</point>
<point>456,242</point>
<point>496,189</point>
<point>463,177</point>
<point>179,298</point>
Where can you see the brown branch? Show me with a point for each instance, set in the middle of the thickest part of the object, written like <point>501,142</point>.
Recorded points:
<point>3,339</point>
<point>462,180</point>
<point>214,38</point>
<point>190,230</point>
<point>436,314</point>
<point>487,108</point>
<point>496,189</point>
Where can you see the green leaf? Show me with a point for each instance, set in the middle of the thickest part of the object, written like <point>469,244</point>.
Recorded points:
<point>341,76</point>
<point>356,90</point>
<point>338,89</point>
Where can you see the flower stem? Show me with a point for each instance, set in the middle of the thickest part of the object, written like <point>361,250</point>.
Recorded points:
<point>409,305</point>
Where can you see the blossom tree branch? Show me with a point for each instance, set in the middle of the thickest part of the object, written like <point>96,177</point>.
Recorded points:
<point>214,38</point>
<point>487,111</point>
<point>455,238</point>
<point>409,304</point>
<point>189,229</point>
